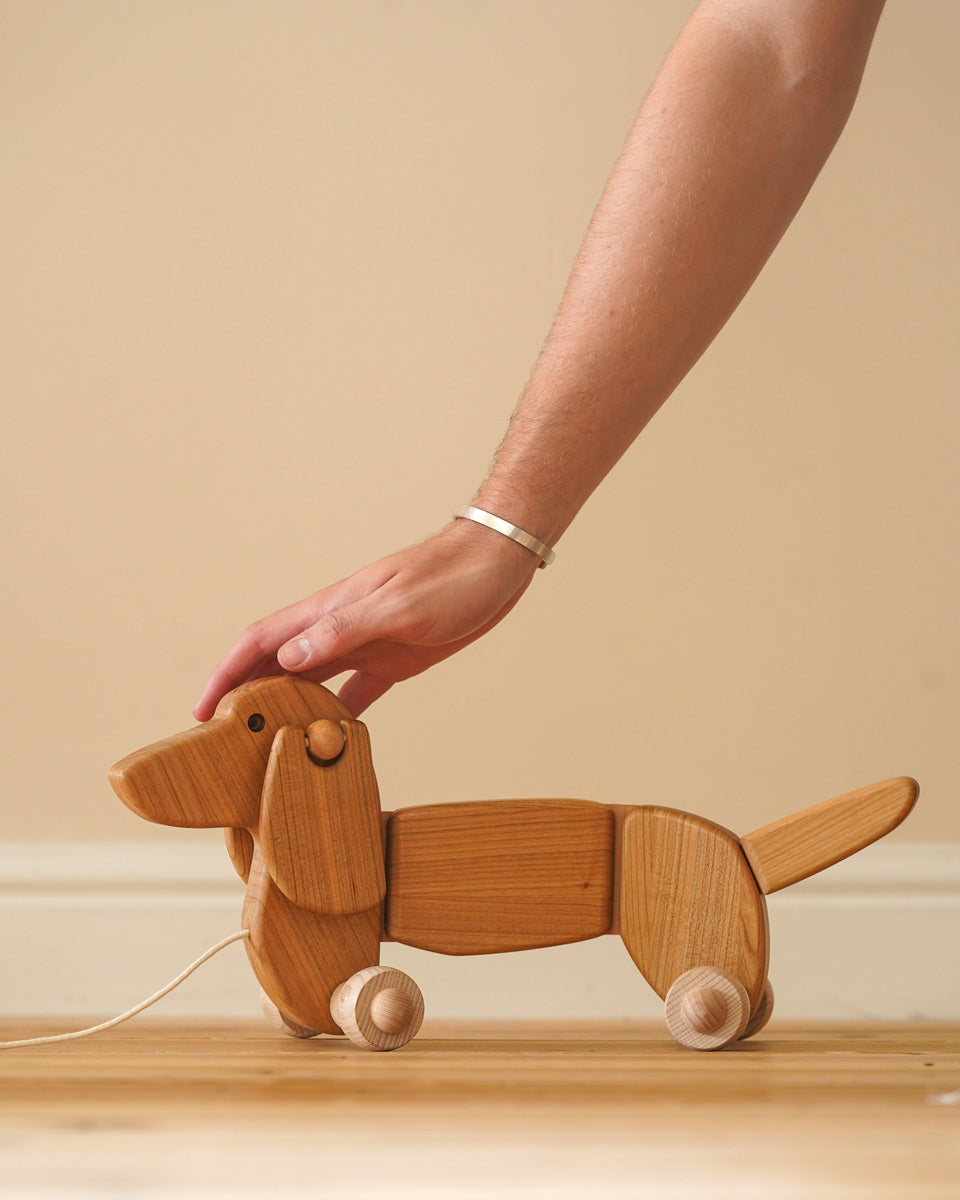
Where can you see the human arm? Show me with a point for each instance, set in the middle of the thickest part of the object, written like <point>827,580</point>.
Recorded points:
<point>731,137</point>
<point>734,131</point>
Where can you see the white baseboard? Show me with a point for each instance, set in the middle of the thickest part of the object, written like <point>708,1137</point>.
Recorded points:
<point>89,930</point>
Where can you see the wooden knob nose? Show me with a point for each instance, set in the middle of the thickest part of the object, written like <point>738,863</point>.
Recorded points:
<point>391,1010</point>
<point>704,1009</point>
<point>326,739</point>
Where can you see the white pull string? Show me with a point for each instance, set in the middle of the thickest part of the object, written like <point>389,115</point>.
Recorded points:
<point>174,983</point>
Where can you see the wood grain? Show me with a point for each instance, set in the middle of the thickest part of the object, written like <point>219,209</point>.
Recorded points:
<point>301,957</point>
<point>212,775</point>
<point>523,1110</point>
<point>809,841</point>
<point>499,875</point>
<point>320,823</point>
<point>688,899</point>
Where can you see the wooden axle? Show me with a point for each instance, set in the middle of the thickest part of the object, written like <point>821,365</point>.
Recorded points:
<point>289,775</point>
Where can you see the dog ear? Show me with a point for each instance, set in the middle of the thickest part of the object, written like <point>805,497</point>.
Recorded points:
<point>320,818</point>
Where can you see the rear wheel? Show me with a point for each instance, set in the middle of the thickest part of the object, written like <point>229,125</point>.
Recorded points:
<point>707,1008</point>
<point>762,1015</point>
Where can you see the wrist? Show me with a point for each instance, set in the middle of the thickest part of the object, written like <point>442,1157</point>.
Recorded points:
<point>538,504</point>
<point>489,520</point>
<point>490,549</point>
<point>534,506</point>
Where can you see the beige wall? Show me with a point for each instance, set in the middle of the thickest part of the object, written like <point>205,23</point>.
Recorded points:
<point>273,275</point>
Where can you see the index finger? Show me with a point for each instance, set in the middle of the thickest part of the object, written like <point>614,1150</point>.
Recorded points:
<point>252,652</point>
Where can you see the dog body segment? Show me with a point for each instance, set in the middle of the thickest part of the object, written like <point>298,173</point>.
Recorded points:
<point>688,899</point>
<point>497,875</point>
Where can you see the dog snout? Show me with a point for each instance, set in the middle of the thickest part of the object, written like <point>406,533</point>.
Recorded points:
<point>207,777</point>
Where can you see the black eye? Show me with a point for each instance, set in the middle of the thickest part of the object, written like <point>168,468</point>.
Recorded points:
<point>256,722</point>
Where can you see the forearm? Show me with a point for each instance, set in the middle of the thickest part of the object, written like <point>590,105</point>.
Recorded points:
<point>736,128</point>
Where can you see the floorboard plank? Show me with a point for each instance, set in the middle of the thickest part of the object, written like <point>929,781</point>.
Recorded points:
<point>156,1109</point>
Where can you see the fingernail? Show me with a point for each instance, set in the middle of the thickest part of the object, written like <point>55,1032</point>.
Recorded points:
<point>294,654</point>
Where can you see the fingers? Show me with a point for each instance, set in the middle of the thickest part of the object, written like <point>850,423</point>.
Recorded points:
<point>254,653</point>
<point>325,627</point>
<point>249,656</point>
<point>336,634</point>
<point>360,691</point>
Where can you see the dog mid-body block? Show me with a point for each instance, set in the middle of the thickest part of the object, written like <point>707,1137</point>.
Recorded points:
<point>288,774</point>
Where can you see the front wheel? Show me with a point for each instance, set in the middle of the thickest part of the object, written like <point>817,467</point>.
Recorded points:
<point>276,1020</point>
<point>379,1008</point>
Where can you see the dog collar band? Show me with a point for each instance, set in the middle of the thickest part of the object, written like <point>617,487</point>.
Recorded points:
<point>482,517</point>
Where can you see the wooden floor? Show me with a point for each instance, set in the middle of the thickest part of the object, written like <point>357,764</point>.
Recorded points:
<point>537,1111</point>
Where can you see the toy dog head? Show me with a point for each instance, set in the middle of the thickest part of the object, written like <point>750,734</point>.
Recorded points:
<point>283,759</point>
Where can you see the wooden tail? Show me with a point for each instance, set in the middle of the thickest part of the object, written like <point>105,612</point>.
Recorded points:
<point>809,841</point>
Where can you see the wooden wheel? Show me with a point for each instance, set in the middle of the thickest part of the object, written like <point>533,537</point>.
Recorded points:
<point>762,1015</point>
<point>707,1008</point>
<point>276,1020</point>
<point>378,1008</point>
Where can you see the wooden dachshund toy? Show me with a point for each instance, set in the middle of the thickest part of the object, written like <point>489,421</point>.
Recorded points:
<point>288,774</point>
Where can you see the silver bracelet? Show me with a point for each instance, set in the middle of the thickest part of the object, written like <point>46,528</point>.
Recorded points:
<point>540,549</point>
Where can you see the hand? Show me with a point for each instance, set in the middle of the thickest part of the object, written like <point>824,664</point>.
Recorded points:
<point>387,622</point>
